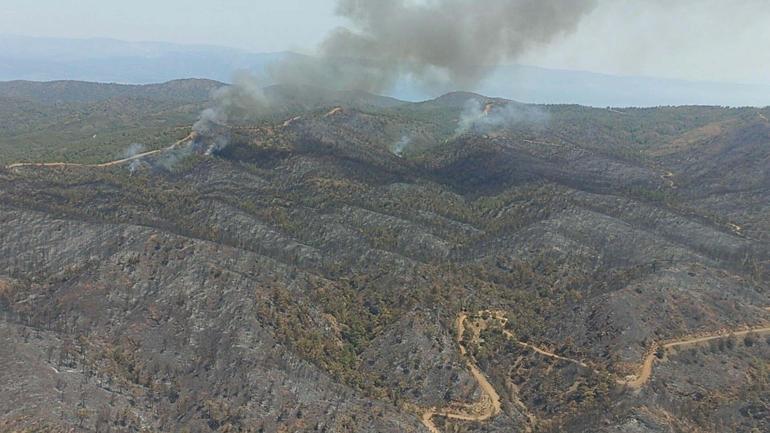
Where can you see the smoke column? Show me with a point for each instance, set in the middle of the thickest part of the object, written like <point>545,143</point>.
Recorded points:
<point>485,118</point>
<point>438,42</point>
<point>435,41</point>
<point>400,147</point>
<point>243,99</point>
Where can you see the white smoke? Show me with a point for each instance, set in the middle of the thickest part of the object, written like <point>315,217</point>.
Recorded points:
<point>244,99</point>
<point>398,148</point>
<point>434,41</point>
<point>136,165</point>
<point>483,118</point>
<point>133,150</point>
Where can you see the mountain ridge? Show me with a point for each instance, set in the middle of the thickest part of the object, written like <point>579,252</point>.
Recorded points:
<point>128,62</point>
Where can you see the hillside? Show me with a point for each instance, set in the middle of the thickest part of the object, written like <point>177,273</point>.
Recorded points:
<point>90,122</point>
<point>352,263</point>
<point>79,122</point>
<point>63,92</point>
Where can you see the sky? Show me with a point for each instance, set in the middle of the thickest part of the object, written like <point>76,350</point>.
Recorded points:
<point>254,25</point>
<point>699,40</point>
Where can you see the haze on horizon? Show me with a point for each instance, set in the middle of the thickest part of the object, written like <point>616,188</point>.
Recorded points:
<point>706,40</point>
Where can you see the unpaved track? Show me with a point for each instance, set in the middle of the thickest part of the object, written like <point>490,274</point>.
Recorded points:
<point>668,177</point>
<point>490,406</point>
<point>500,317</point>
<point>104,164</point>
<point>645,372</point>
<point>545,352</point>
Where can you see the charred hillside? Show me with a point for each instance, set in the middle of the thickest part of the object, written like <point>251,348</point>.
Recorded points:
<point>309,274</point>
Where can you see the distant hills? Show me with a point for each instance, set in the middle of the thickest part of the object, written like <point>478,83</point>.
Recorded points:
<point>550,86</point>
<point>114,61</point>
<point>57,92</point>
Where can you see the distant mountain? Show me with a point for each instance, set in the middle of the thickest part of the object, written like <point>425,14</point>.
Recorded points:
<point>113,61</point>
<point>550,86</point>
<point>188,90</point>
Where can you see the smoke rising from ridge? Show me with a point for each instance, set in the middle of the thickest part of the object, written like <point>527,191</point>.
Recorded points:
<point>485,118</point>
<point>440,43</point>
<point>434,41</point>
<point>398,148</point>
<point>133,150</point>
<point>243,99</point>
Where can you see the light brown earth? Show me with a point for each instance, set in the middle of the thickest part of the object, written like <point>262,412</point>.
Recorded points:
<point>334,111</point>
<point>645,371</point>
<point>490,406</point>
<point>669,178</point>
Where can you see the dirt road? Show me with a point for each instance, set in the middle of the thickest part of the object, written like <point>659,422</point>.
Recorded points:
<point>645,371</point>
<point>104,164</point>
<point>490,406</point>
<point>668,177</point>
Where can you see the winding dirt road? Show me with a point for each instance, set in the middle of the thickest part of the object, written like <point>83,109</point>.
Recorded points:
<point>668,177</point>
<point>645,371</point>
<point>489,406</point>
<point>644,375</point>
<point>138,156</point>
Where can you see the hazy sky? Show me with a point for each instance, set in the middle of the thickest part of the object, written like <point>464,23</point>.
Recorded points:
<point>719,40</point>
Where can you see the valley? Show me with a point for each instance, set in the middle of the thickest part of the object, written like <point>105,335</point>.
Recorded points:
<point>490,406</point>
<point>348,262</point>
